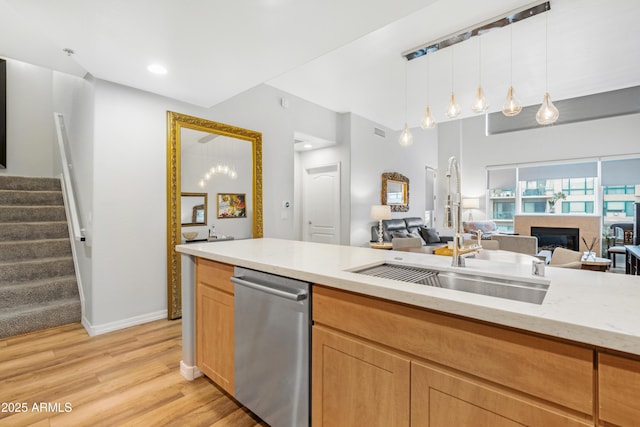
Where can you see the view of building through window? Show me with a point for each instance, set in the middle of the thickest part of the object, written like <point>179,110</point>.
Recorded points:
<point>570,195</point>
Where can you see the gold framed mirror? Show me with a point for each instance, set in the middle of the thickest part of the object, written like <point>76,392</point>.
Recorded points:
<point>395,191</point>
<point>179,127</point>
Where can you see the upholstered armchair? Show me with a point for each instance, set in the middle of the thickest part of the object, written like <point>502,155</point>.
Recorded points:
<point>566,258</point>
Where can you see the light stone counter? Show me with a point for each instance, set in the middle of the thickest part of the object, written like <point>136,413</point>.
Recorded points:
<point>601,309</point>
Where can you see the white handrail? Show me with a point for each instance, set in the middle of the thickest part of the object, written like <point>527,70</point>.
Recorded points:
<point>67,188</point>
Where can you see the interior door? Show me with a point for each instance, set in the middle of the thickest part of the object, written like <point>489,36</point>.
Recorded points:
<point>321,193</point>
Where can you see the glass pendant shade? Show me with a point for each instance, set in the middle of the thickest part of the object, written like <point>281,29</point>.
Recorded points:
<point>548,113</point>
<point>511,106</point>
<point>427,121</point>
<point>454,108</point>
<point>480,103</point>
<point>406,138</point>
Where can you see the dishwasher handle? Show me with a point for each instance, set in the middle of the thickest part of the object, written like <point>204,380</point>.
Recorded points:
<point>296,295</point>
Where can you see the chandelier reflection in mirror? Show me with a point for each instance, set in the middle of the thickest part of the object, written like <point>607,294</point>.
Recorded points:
<point>214,160</point>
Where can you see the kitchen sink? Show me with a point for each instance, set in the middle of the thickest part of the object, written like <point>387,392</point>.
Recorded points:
<point>512,289</point>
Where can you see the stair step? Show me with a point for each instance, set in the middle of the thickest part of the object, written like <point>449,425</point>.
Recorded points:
<point>30,198</point>
<point>34,249</point>
<point>33,317</point>
<point>10,231</point>
<point>38,292</point>
<point>32,213</point>
<point>25,271</point>
<point>29,183</point>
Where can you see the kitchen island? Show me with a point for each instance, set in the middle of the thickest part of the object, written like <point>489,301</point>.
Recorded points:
<point>593,315</point>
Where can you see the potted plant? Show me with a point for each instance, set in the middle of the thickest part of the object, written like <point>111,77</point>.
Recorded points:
<point>552,201</point>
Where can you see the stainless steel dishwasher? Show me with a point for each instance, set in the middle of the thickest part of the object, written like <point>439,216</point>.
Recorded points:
<point>272,346</point>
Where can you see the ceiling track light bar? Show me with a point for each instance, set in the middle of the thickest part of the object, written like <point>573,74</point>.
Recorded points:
<point>513,17</point>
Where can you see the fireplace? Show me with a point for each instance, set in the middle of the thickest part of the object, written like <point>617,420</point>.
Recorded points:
<point>550,238</point>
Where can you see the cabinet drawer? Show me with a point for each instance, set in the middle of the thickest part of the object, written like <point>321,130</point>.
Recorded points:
<point>554,371</point>
<point>619,390</point>
<point>214,274</point>
<point>441,399</point>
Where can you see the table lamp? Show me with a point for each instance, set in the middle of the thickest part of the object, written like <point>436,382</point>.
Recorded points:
<point>380,212</point>
<point>470,203</point>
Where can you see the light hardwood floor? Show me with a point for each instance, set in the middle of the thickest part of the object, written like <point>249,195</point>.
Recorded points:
<point>63,377</point>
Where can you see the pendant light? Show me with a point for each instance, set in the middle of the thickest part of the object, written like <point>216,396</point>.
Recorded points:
<point>548,113</point>
<point>511,106</point>
<point>427,121</point>
<point>406,138</point>
<point>479,104</point>
<point>453,110</point>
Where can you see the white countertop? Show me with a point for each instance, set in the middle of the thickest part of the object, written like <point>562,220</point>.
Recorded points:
<point>601,309</point>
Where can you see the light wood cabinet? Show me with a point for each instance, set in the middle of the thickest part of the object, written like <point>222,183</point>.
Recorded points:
<point>356,384</point>
<point>619,390</point>
<point>214,322</point>
<point>440,398</point>
<point>461,369</point>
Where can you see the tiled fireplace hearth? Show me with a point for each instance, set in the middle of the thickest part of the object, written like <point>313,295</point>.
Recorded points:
<point>563,228</point>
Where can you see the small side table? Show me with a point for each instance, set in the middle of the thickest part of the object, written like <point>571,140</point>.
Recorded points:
<point>598,264</point>
<point>376,245</point>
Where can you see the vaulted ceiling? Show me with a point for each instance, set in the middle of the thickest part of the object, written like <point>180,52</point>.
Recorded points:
<point>344,55</point>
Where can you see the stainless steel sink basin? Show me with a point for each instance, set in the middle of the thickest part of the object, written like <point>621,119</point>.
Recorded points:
<point>512,289</point>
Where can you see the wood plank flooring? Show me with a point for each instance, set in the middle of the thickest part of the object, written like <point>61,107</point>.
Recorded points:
<point>63,377</point>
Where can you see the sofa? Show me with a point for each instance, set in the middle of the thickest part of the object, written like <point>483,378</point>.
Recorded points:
<point>409,227</point>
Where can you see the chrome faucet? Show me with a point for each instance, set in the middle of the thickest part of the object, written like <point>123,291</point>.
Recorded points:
<point>453,216</point>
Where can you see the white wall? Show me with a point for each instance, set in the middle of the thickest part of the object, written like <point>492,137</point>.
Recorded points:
<point>371,156</point>
<point>30,128</point>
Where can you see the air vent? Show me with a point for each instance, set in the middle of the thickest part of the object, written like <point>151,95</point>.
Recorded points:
<point>379,132</point>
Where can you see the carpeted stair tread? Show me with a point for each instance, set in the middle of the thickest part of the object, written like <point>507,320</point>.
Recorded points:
<point>38,291</point>
<point>29,183</point>
<point>30,198</point>
<point>38,285</point>
<point>32,317</point>
<point>34,249</point>
<point>18,272</point>
<point>32,213</point>
<point>10,231</point>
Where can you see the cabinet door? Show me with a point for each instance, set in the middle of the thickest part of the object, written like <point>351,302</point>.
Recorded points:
<point>619,390</point>
<point>356,384</point>
<point>443,399</point>
<point>214,325</point>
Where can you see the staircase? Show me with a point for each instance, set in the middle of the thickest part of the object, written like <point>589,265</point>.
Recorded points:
<point>38,287</point>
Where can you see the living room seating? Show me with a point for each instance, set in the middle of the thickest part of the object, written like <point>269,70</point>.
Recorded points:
<point>488,228</point>
<point>408,227</point>
<point>566,258</point>
<point>515,243</point>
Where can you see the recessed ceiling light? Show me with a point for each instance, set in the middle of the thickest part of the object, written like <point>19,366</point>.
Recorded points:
<point>157,69</point>
<point>307,145</point>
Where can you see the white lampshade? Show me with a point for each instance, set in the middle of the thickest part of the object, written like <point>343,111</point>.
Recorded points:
<point>379,212</point>
<point>470,203</point>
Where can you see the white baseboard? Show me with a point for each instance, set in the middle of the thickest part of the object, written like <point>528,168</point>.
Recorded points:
<point>189,372</point>
<point>94,330</point>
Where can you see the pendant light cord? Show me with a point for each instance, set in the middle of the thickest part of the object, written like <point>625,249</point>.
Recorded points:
<point>405,91</point>
<point>546,52</point>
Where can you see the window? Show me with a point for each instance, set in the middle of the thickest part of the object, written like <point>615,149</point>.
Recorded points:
<point>539,187</point>
<point>504,210</point>
<point>619,207</point>
<point>619,189</point>
<point>577,186</point>
<point>534,206</point>
<point>580,207</point>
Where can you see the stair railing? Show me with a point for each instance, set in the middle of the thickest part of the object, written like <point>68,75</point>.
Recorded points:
<point>67,187</point>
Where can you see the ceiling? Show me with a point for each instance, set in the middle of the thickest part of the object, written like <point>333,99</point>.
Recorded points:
<point>343,55</point>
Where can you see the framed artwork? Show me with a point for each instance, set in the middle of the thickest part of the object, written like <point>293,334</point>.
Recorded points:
<point>232,205</point>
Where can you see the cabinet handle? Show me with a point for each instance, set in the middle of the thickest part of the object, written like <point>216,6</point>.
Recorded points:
<point>296,295</point>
